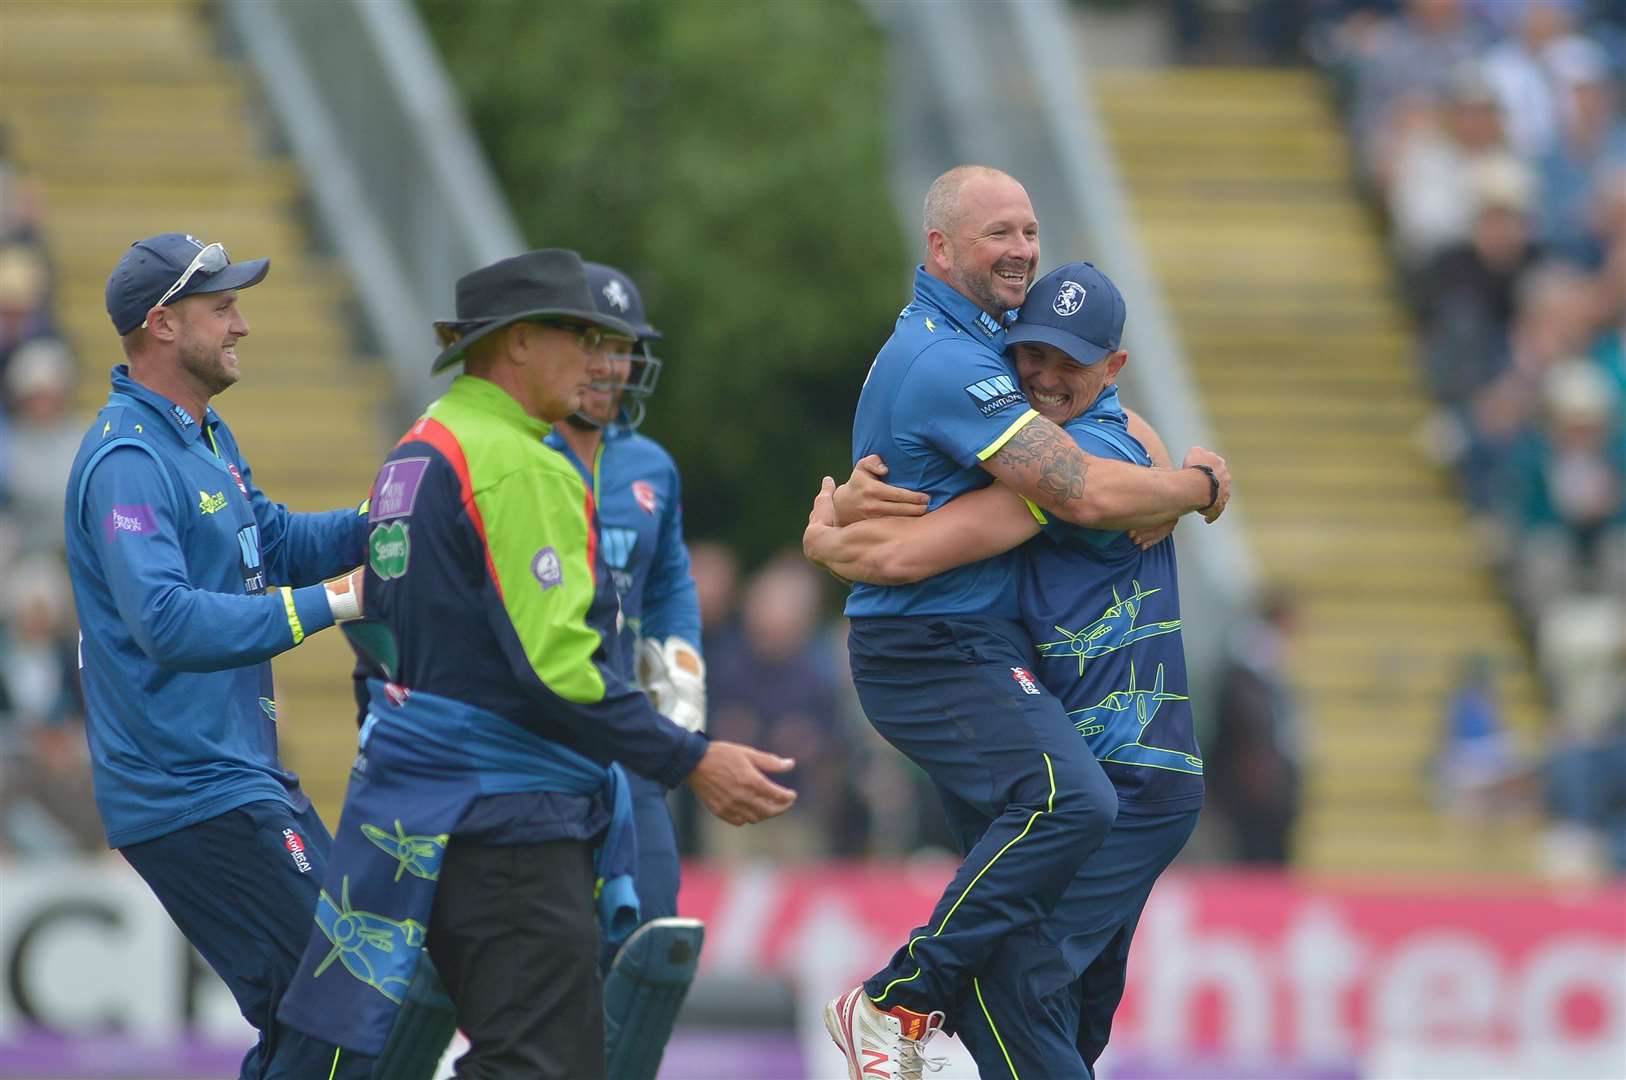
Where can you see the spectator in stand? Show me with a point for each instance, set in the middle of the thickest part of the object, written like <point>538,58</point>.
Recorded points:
<point>1522,73</point>
<point>24,289</point>
<point>1569,478</point>
<point>46,805</point>
<point>716,574</point>
<point>1477,768</point>
<point>1431,187</point>
<point>1413,53</point>
<point>773,681</point>
<point>1467,295</point>
<point>1255,761</point>
<point>45,437</point>
<point>1590,149</point>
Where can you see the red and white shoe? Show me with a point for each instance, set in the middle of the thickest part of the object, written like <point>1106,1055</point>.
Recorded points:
<point>881,1045</point>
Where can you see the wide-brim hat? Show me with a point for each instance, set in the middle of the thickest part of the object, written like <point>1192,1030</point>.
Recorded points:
<point>538,286</point>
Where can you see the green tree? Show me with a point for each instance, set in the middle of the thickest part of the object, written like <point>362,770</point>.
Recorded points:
<point>731,157</point>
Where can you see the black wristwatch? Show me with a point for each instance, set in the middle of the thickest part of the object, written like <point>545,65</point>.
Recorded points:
<point>1213,486</point>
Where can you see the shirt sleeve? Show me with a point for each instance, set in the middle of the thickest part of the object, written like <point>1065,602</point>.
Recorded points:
<point>1077,537</point>
<point>541,546</point>
<point>671,604</point>
<point>305,549</point>
<point>131,523</point>
<point>961,400</point>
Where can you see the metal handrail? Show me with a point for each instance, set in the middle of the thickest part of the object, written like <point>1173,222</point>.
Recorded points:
<point>401,185</point>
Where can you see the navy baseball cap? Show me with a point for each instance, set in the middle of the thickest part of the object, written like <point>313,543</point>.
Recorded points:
<point>1077,309</point>
<point>616,296</point>
<point>152,267</point>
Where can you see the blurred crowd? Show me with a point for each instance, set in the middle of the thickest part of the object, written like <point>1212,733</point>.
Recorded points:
<point>1491,136</point>
<point>45,801</point>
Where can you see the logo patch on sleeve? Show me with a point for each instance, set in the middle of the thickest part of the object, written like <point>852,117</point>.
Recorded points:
<point>1026,681</point>
<point>996,393</point>
<point>545,565</point>
<point>397,488</point>
<point>129,519</point>
<point>389,549</point>
<point>644,492</point>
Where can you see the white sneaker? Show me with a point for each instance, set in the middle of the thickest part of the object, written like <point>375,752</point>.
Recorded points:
<point>881,1045</point>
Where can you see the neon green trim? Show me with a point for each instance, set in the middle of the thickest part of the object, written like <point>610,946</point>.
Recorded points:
<point>1005,436</point>
<point>1038,515</point>
<point>293,615</point>
<point>1050,806</point>
<point>331,1073</point>
<point>209,432</point>
<point>976,985</point>
<point>598,456</point>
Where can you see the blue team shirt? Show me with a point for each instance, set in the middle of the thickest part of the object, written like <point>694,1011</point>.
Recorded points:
<point>171,547</point>
<point>639,502</point>
<point>1105,621</point>
<point>939,400</point>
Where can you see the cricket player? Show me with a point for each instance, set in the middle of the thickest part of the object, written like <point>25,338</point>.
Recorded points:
<point>1103,612</point>
<point>943,667</point>
<point>638,495</point>
<point>188,579</point>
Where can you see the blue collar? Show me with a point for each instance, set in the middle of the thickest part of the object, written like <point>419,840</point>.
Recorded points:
<point>179,419</point>
<point>954,304</point>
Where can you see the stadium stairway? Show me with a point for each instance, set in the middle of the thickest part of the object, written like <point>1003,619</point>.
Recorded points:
<point>132,122</point>
<point>1239,181</point>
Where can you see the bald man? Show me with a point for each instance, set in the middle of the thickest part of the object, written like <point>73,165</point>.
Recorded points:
<point>943,666</point>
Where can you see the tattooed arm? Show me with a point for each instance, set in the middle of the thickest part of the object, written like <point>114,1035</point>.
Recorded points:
<point>1042,463</point>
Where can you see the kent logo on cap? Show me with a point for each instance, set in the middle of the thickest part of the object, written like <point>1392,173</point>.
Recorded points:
<point>171,267</point>
<point>1075,308</point>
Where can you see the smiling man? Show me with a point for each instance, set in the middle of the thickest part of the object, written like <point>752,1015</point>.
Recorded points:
<point>1103,614</point>
<point>173,550</point>
<point>942,665</point>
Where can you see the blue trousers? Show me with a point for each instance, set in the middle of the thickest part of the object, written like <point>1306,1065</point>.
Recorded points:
<point>957,696</point>
<point>1043,1004</point>
<point>242,887</point>
<point>658,867</point>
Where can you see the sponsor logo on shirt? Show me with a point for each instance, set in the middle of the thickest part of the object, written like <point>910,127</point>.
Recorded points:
<point>269,708</point>
<point>1026,681</point>
<point>617,546</point>
<point>211,504</point>
<point>545,565</point>
<point>248,547</point>
<point>396,490</point>
<point>296,849</point>
<point>183,419</point>
<point>129,519</point>
<point>990,325</point>
<point>644,492</point>
<point>389,549</point>
<point>1069,298</point>
<point>994,394</point>
<point>237,476</point>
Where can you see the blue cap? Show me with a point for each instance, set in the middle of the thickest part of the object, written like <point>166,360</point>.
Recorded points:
<point>152,265</point>
<point>1077,309</point>
<point>616,296</point>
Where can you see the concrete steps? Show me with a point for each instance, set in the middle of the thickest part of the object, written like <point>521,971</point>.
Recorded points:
<point>1239,185</point>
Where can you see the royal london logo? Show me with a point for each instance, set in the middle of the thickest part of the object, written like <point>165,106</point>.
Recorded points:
<point>296,850</point>
<point>1026,681</point>
<point>211,504</point>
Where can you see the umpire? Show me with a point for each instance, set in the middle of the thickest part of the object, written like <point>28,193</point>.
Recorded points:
<point>170,547</point>
<point>485,817</point>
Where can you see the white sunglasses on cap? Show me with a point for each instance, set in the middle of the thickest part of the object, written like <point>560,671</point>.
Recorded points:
<point>210,260</point>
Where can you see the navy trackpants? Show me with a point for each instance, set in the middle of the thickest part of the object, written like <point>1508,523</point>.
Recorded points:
<point>1042,1006</point>
<point>242,887</point>
<point>659,871</point>
<point>958,697</point>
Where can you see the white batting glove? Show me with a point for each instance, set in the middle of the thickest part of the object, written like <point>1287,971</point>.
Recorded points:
<point>674,676</point>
